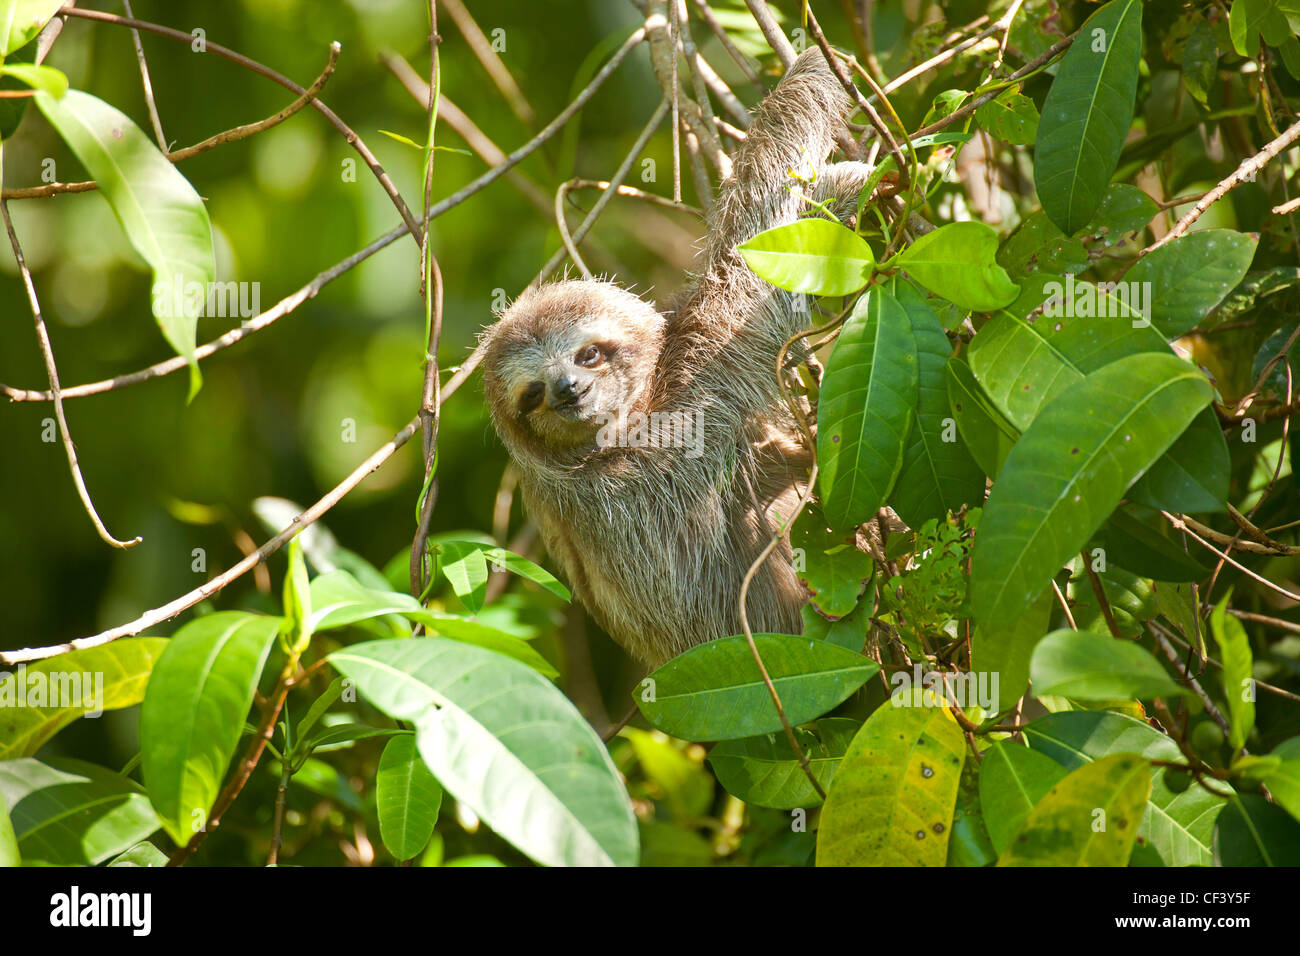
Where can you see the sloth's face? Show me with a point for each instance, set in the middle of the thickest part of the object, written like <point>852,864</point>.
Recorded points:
<point>566,357</point>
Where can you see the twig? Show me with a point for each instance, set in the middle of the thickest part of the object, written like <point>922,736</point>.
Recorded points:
<point>310,290</point>
<point>220,139</point>
<point>1100,594</point>
<point>1245,172</point>
<point>611,188</point>
<point>169,610</point>
<point>226,53</point>
<point>1065,605</point>
<point>772,32</point>
<point>487,56</point>
<point>51,370</point>
<point>742,61</point>
<point>1181,524</point>
<point>144,80</point>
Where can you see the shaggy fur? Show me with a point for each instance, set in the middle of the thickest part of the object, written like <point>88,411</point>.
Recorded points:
<point>655,541</point>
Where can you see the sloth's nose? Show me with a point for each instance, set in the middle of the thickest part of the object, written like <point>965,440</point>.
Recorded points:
<point>565,387</point>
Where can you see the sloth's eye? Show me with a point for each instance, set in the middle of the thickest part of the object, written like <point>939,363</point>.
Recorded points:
<point>589,357</point>
<point>532,397</point>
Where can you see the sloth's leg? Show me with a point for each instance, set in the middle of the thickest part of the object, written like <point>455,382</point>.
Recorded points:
<point>841,183</point>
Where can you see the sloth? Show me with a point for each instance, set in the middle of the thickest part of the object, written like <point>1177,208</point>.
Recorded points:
<point>655,452</point>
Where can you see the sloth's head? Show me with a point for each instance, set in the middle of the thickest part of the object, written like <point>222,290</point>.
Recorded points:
<point>566,356</point>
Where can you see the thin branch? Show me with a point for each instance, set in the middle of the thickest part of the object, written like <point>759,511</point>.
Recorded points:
<point>309,291</point>
<point>51,370</point>
<point>1182,525</point>
<point>613,186</point>
<point>1100,594</point>
<point>1245,172</point>
<point>772,32</point>
<point>145,82</point>
<point>496,69</point>
<point>745,63</point>
<point>226,53</point>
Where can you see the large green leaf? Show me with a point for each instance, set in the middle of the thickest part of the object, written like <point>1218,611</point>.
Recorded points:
<point>983,428</point>
<point>1069,471</point>
<point>163,217</point>
<point>1013,778</point>
<point>1178,824</point>
<point>339,599</point>
<point>503,740</point>
<point>1087,819</point>
<point>715,692</point>
<point>1025,363</point>
<point>1083,665</point>
<point>892,800</point>
<point>1146,544</point>
<point>407,798</point>
<point>1238,662</point>
<point>194,712</point>
<point>958,262</point>
<point>1284,782</point>
<point>814,256</point>
<point>832,568</point>
<point>73,813</point>
<point>21,20</point>
<point>763,771</point>
<point>1253,832</point>
<point>74,684</point>
<point>1190,276</point>
<point>1087,114</point>
<point>1006,651</point>
<point>865,409</point>
<point>938,473</point>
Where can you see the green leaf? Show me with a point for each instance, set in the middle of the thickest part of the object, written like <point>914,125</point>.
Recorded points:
<point>81,682</point>
<point>1010,116</point>
<point>21,20</point>
<point>1144,542</point>
<point>1124,209</point>
<point>983,428</point>
<point>142,854</point>
<point>337,736</point>
<point>194,711</point>
<point>1284,782</point>
<point>503,740</point>
<point>1070,470</point>
<point>715,692</point>
<point>1013,779</point>
<point>834,571</point>
<point>814,256</point>
<point>45,78</point>
<point>1063,828</point>
<point>521,566</point>
<point>1193,475</point>
<point>674,776</point>
<point>9,855</point>
<point>1191,275</point>
<point>1253,832</point>
<point>297,600</point>
<point>1006,651</point>
<point>1087,114</point>
<point>163,217</point>
<point>464,564</point>
<point>763,771</point>
<point>1083,665</point>
<point>1238,684</point>
<point>969,843</point>
<point>958,262</point>
<point>938,474</point>
<point>848,632</point>
<point>1178,824</point>
<point>864,412</point>
<point>407,798</point>
<point>892,800</point>
<point>1200,61</point>
<point>73,813</point>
